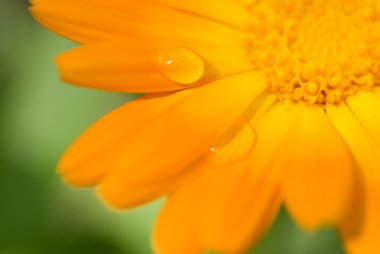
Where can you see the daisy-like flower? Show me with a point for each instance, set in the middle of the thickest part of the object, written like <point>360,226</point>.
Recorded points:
<point>249,105</point>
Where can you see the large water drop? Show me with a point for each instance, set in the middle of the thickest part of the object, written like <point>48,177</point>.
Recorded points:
<point>181,65</point>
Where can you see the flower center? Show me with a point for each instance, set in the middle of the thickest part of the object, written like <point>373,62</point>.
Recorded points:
<point>316,51</point>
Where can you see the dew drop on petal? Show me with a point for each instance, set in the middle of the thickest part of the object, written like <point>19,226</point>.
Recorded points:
<point>236,145</point>
<point>181,65</point>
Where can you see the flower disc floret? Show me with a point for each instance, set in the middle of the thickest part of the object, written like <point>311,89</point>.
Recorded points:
<point>316,51</point>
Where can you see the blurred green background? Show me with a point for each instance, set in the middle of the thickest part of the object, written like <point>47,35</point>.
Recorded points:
<point>39,117</point>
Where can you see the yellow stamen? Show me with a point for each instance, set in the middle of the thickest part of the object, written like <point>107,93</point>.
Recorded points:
<point>316,51</point>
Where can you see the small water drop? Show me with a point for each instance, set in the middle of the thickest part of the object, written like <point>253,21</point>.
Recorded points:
<point>236,145</point>
<point>181,65</point>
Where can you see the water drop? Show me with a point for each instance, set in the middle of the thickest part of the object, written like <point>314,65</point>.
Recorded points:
<point>181,65</point>
<point>236,145</point>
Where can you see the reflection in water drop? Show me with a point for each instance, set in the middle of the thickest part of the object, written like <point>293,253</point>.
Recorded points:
<point>181,65</point>
<point>236,145</point>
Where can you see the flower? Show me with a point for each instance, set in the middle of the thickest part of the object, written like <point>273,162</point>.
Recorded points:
<point>249,105</point>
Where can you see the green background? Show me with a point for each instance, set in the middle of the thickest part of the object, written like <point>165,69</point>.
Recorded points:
<point>39,117</point>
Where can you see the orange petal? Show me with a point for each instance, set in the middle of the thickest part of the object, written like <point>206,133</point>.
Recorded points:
<point>356,128</point>
<point>162,150</point>
<point>158,144</point>
<point>248,191</point>
<point>260,107</point>
<point>177,229</point>
<point>242,198</point>
<point>366,107</point>
<point>201,215</point>
<point>352,223</point>
<point>362,145</point>
<point>177,226</point>
<point>239,203</point>
<point>318,176</point>
<point>367,241</point>
<point>233,190</point>
<point>86,21</point>
<point>92,154</point>
<point>228,11</point>
<point>134,65</point>
<point>271,137</point>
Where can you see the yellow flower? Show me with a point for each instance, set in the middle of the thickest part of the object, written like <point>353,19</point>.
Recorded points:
<point>249,105</point>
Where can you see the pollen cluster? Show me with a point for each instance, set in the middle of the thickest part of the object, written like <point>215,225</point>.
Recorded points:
<point>316,51</point>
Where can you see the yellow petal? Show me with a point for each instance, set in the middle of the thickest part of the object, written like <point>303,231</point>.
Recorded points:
<point>366,107</point>
<point>94,20</point>
<point>134,65</point>
<point>318,176</point>
<point>162,148</point>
